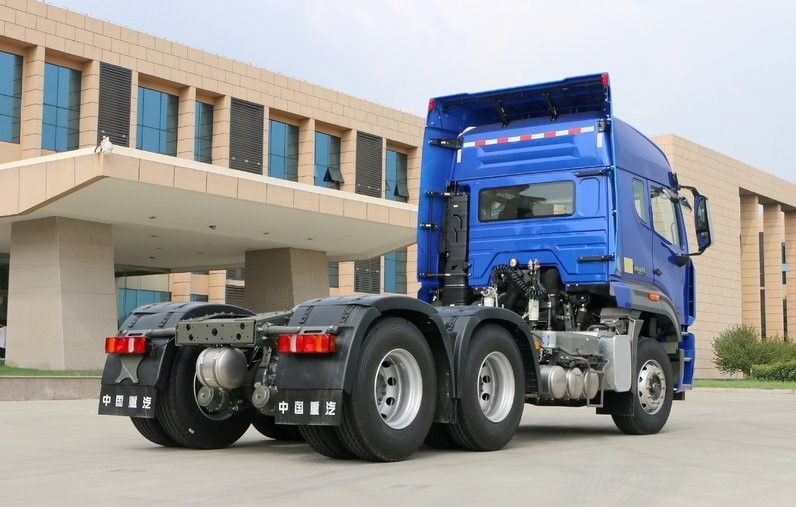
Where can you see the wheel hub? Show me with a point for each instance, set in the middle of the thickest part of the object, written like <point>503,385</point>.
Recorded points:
<point>495,387</point>
<point>651,387</point>
<point>398,388</point>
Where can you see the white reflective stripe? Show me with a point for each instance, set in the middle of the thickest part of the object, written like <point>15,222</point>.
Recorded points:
<point>490,142</point>
<point>468,144</point>
<point>532,137</point>
<point>514,139</point>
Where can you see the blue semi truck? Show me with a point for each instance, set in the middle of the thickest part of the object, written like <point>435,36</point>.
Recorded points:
<point>554,270</point>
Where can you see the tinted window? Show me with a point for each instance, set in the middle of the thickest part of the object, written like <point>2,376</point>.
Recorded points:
<point>61,109</point>
<point>395,177</point>
<point>664,216</point>
<point>395,271</point>
<point>10,96</point>
<point>526,201</point>
<point>157,122</point>
<point>283,150</point>
<point>203,133</point>
<point>640,200</point>
<point>327,161</point>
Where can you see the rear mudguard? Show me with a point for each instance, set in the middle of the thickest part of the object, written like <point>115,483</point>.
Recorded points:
<point>157,321</point>
<point>354,316</point>
<point>464,320</point>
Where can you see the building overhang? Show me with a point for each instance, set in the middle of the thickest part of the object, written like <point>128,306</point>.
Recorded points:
<point>173,214</point>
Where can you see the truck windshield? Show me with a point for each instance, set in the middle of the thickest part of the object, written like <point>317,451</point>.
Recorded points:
<point>520,202</point>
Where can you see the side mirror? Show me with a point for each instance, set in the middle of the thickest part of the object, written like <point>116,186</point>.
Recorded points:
<point>702,222</point>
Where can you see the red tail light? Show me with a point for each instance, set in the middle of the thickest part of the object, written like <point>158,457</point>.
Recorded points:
<point>125,345</point>
<point>604,78</point>
<point>305,344</point>
<point>431,105</point>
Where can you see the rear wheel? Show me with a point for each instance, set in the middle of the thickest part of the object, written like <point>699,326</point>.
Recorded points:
<point>152,430</point>
<point>653,393</point>
<point>184,420</point>
<point>267,427</point>
<point>392,401</point>
<point>492,394</point>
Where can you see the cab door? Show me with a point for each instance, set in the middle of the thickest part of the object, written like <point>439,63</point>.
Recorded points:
<point>670,266</point>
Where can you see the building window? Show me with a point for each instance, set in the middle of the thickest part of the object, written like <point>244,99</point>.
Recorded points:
<point>761,252</point>
<point>61,119</point>
<point>127,300</point>
<point>201,298</point>
<point>367,276</point>
<point>283,150</point>
<point>203,133</point>
<point>334,274</point>
<point>157,122</point>
<point>785,319</point>
<point>327,161</point>
<point>395,271</point>
<point>784,266</point>
<point>763,313</point>
<point>236,274</point>
<point>395,187</point>
<point>10,96</point>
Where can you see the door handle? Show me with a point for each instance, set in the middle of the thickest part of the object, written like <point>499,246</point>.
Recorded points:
<point>657,272</point>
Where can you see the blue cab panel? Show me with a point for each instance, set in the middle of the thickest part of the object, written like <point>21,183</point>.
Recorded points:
<point>551,175</point>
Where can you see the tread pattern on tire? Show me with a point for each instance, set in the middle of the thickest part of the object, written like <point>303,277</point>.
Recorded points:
<point>152,430</point>
<point>635,424</point>
<point>181,417</point>
<point>324,440</point>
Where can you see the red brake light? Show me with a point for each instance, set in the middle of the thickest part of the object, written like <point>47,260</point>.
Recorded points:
<point>125,345</point>
<point>431,105</point>
<point>604,78</point>
<point>305,343</point>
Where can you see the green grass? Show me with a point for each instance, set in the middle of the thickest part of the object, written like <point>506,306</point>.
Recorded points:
<point>745,384</point>
<point>8,371</point>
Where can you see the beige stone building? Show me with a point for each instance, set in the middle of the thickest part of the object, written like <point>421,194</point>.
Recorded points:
<point>227,182</point>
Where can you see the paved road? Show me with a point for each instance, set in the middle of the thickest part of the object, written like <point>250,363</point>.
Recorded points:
<point>720,448</point>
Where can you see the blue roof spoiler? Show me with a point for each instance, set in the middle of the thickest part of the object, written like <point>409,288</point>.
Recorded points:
<point>552,100</point>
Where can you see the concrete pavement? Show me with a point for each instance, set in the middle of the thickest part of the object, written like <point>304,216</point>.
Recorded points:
<point>719,448</point>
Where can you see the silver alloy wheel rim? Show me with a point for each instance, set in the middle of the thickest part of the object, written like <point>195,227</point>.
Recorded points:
<point>398,388</point>
<point>651,387</point>
<point>496,387</point>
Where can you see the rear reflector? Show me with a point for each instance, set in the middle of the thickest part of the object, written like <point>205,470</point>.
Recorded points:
<point>125,345</point>
<point>305,344</point>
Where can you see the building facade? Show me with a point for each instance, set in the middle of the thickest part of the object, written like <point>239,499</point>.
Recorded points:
<point>224,182</point>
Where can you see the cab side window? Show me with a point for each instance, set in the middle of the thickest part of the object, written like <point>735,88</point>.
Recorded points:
<point>664,216</point>
<point>640,200</point>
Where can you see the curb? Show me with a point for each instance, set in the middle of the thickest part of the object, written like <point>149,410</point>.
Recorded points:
<point>49,388</point>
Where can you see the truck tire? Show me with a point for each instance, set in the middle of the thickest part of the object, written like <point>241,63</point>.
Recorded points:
<point>393,398</point>
<point>439,437</point>
<point>492,391</point>
<point>324,439</point>
<point>184,420</point>
<point>267,427</point>
<point>653,393</point>
<point>152,430</point>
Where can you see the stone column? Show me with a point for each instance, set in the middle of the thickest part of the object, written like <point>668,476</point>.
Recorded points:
<point>62,297</point>
<point>180,286</point>
<point>89,103</point>
<point>186,119</point>
<point>750,261</point>
<point>221,119</point>
<point>306,152</point>
<point>773,236</point>
<point>790,266</point>
<point>281,278</point>
<point>32,102</point>
<point>348,160</point>
<point>217,286</point>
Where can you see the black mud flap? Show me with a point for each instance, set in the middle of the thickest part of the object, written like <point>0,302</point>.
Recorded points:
<point>131,401</point>
<point>315,407</point>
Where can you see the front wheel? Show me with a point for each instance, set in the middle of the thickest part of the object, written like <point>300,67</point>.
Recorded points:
<point>393,398</point>
<point>188,424</point>
<point>492,395</point>
<point>653,393</point>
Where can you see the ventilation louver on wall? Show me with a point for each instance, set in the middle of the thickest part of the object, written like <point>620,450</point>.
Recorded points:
<point>367,276</point>
<point>246,136</point>
<point>113,117</point>
<point>368,170</point>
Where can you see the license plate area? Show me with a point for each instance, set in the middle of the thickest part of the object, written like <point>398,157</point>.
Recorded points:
<point>309,407</point>
<point>131,401</point>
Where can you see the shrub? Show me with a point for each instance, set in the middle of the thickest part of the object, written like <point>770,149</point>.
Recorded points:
<point>783,372</point>
<point>737,349</point>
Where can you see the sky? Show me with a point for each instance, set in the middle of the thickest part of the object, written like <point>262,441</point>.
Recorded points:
<point>719,73</point>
